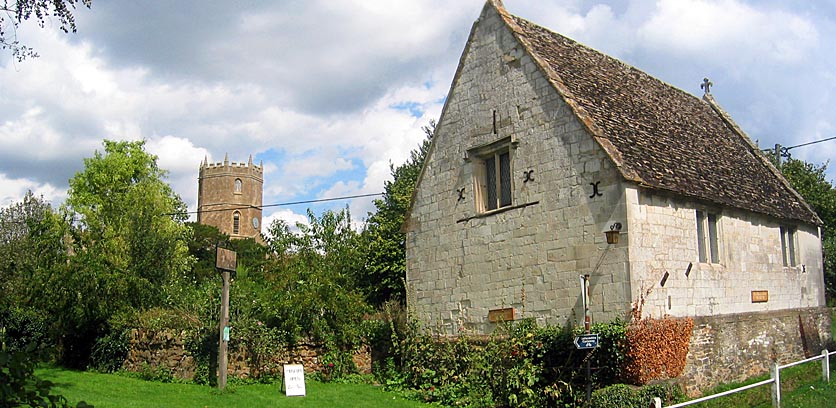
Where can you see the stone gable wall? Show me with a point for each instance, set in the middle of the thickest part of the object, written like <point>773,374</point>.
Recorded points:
<point>462,264</point>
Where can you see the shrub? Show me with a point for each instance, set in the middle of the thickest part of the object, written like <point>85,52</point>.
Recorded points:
<point>21,327</point>
<point>625,396</point>
<point>110,351</point>
<point>521,365</point>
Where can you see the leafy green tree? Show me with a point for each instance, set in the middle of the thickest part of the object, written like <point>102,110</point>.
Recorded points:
<point>309,289</point>
<point>129,242</point>
<point>384,272</point>
<point>14,12</point>
<point>32,247</point>
<point>18,256</point>
<point>810,181</point>
<point>202,246</point>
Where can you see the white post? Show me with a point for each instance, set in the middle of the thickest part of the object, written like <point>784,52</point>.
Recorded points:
<point>657,402</point>
<point>825,366</point>
<point>776,386</point>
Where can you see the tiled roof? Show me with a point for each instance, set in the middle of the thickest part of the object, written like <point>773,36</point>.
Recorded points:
<point>657,135</point>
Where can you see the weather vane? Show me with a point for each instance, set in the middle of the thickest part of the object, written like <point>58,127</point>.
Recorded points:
<point>706,84</point>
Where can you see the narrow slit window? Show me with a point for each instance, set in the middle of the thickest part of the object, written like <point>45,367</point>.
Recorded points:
<point>708,241</point>
<point>236,223</point>
<point>788,247</point>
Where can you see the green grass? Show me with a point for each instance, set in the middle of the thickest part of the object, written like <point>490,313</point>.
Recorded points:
<point>795,390</point>
<point>113,390</point>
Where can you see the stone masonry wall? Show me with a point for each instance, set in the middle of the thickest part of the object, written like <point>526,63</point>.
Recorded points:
<point>154,349</point>
<point>218,200</point>
<point>463,263</point>
<point>733,347</point>
<point>664,240</point>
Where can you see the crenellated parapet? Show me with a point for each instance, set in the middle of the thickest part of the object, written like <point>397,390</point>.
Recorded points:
<point>227,167</point>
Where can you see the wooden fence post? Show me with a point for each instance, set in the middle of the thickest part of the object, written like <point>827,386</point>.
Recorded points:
<point>657,403</point>
<point>776,385</point>
<point>825,366</point>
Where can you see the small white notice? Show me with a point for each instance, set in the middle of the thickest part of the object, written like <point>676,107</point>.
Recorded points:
<point>294,380</point>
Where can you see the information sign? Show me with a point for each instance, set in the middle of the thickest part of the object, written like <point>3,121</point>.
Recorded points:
<point>294,380</point>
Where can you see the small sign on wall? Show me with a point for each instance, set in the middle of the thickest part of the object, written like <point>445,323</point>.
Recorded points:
<point>294,380</point>
<point>760,296</point>
<point>501,315</point>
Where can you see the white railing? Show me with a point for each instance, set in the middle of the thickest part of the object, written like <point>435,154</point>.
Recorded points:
<point>775,380</point>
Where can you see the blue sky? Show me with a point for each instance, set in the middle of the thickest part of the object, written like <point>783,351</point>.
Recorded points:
<point>328,93</point>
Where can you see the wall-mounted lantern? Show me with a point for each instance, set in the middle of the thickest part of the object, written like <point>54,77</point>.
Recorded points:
<point>613,233</point>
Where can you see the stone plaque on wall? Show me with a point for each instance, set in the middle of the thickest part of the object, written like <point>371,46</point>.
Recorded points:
<point>501,315</point>
<point>760,296</point>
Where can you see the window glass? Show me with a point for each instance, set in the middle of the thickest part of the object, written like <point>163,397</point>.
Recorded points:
<point>236,222</point>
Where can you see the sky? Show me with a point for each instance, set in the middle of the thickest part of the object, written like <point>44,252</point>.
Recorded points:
<point>328,94</point>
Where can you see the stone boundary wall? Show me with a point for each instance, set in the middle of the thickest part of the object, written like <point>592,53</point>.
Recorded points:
<point>166,348</point>
<point>733,347</point>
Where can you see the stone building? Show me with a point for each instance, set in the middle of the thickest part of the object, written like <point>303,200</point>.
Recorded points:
<point>544,145</point>
<point>229,197</point>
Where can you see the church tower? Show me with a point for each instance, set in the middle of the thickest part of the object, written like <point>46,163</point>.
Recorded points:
<point>229,197</point>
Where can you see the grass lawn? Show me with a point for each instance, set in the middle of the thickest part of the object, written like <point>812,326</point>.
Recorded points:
<point>112,390</point>
<point>801,386</point>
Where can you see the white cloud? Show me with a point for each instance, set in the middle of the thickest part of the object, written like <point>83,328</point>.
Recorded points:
<point>325,88</point>
<point>729,32</point>
<point>13,190</point>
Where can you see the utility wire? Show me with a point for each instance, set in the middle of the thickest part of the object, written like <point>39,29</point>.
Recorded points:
<point>244,207</point>
<point>809,143</point>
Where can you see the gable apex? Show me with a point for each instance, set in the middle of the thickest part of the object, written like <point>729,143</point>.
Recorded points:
<point>655,134</point>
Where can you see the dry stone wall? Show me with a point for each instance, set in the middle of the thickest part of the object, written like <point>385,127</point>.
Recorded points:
<point>154,348</point>
<point>734,347</point>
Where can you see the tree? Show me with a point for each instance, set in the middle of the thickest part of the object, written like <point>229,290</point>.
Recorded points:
<point>15,12</point>
<point>17,223</point>
<point>810,181</point>
<point>382,278</point>
<point>129,242</point>
<point>310,290</point>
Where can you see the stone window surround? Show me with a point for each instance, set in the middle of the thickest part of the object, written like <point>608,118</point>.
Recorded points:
<point>477,156</point>
<point>789,245</point>
<point>236,223</point>
<point>709,236</point>
<point>238,186</point>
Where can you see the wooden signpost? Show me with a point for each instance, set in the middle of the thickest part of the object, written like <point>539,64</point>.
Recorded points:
<point>226,261</point>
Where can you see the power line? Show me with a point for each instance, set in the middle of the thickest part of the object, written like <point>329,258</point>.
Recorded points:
<point>782,151</point>
<point>810,143</point>
<point>244,207</point>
